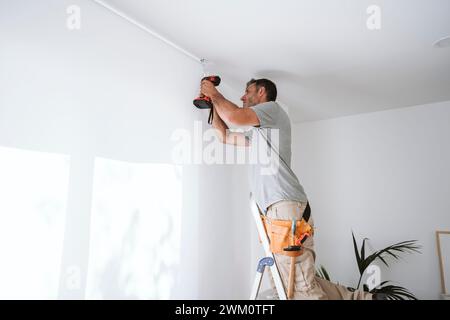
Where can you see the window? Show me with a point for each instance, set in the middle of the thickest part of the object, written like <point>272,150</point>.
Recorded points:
<point>33,191</point>
<point>135,230</point>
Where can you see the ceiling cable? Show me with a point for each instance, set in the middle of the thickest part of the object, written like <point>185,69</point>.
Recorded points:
<point>148,30</point>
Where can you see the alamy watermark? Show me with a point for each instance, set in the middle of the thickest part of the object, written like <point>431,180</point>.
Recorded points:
<point>374,278</point>
<point>73,21</point>
<point>73,277</point>
<point>374,20</point>
<point>203,147</point>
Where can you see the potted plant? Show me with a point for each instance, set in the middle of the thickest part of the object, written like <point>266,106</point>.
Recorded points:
<point>390,291</point>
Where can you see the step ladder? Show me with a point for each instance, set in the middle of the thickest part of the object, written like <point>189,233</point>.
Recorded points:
<point>267,261</point>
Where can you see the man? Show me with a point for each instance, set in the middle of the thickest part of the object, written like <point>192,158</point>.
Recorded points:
<point>279,195</point>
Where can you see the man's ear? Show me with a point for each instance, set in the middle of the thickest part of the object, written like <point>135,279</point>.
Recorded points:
<point>262,93</point>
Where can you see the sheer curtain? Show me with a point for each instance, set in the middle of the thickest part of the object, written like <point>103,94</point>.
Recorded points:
<point>92,204</point>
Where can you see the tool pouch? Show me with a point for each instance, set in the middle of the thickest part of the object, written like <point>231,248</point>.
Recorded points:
<point>280,235</point>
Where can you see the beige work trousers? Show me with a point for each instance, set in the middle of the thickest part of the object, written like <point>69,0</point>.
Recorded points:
<point>307,286</point>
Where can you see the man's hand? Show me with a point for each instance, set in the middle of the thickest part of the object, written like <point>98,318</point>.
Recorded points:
<point>208,89</point>
<point>227,110</point>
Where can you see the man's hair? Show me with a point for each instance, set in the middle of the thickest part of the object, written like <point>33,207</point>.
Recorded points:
<point>269,86</point>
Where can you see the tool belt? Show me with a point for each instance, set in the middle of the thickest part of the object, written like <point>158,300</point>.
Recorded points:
<point>280,233</point>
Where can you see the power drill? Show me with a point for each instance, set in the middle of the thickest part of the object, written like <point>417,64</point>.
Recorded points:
<point>204,102</point>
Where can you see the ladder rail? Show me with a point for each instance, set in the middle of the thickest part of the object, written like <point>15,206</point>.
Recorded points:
<point>266,245</point>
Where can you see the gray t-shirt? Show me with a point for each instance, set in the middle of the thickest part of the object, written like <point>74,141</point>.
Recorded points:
<point>271,177</point>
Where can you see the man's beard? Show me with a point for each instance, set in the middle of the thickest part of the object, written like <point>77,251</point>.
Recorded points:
<point>250,104</point>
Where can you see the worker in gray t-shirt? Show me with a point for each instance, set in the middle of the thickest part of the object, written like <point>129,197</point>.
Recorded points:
<point>274,185</point>
<point>273,136</point>
<point>271,132</point>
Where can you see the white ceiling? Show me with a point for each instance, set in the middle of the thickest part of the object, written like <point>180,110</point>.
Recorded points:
<point>324,60</point>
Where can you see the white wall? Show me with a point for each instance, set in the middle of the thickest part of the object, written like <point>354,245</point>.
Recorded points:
<point>384,175</point>
<point>110,90</point>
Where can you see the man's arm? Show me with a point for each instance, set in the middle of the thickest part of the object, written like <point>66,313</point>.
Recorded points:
<point>224,134</point>
<point>227,110</point>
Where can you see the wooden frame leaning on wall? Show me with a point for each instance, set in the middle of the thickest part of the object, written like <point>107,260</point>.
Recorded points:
<point>442,236</point>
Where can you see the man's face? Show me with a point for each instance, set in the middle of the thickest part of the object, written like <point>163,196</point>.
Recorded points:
<point>251,96</point>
